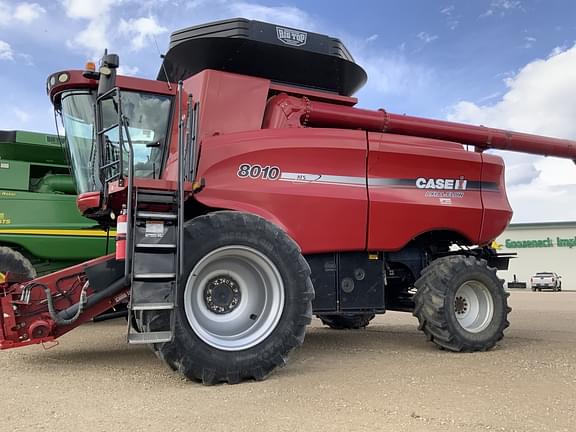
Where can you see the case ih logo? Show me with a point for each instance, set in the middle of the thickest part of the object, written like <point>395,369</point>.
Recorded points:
<point>440,183</point>
<point>291,37</point>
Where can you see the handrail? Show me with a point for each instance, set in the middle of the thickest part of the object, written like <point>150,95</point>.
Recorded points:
<point>123,124</point>
<point>181,180</point>
<point>129,201</point>
<point>108,161</point>
<point>109,128</point>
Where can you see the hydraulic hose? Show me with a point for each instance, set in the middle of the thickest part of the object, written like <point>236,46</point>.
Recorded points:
<point>72,313</point>
<point>97,297</point>
<point>110,315</point>
<point>56,316</point>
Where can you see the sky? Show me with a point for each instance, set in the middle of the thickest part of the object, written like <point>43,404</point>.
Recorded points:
<point>508,64</point>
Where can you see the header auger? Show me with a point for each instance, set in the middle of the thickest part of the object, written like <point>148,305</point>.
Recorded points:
<point>253,194</point>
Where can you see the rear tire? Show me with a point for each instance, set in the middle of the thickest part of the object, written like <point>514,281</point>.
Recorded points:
<point>14,262</point>
<point>346,321</point>
<point>244,302</point>
<point>461,304</point>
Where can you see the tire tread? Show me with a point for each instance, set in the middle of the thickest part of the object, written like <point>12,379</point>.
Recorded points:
<point>430,303</point>
<point>192,360</point>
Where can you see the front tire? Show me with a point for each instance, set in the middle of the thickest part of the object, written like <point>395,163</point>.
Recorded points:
<point>461,304</point>
<point>347,321</point>
<point>244,301</point>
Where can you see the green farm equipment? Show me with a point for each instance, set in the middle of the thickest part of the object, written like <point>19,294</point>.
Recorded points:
<point>41,229</point>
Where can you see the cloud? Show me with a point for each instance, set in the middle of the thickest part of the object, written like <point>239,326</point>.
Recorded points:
<point>426,38</point>
<point>392,73</point>
<point>502,7</point>
<point>540,203</point>
<point>539,99</point>
<point>372,38</point>
<point>489,97</point>
<point>99,32</point>
<point>128,70</point>
<point>525,174</point>
<point>139,30</point>
<point>206,10</point>
<point>94,38</point>
<point>88,9</point>
<point>28,12</point>
<point>558,50</point>
<point>285,15</point>
<point>6,52</point>
<point>27,59</point>
<point>5,13</point>
<point>22,13</point>
<point>198,4</point>
<point>451,20</point>
<point>529,41</point>
<point>448,10</point>
<point>25,113</point>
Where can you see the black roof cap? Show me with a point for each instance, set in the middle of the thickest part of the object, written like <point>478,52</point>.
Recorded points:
<point>279,53</point>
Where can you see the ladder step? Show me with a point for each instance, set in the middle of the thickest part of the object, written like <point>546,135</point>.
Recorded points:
<point>157,191</point>
<point>154,276</point>
<point>156,199</point>
<point>155,246</point>
<point>156,216</point>
<point>152,306</point>
<point>149,338</point>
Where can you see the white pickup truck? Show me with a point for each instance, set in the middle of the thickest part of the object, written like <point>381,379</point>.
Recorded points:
<point>546,280</point>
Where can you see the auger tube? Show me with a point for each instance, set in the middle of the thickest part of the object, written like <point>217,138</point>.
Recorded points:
<point>324,114</point>
<point>284,110</point>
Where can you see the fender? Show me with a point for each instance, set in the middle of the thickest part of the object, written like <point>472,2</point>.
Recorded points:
<point>310,182</point>
<point>245,208</point>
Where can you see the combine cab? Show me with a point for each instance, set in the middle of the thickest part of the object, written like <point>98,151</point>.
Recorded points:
<point>249,193</point>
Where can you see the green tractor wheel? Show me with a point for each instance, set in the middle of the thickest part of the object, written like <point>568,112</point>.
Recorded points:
<point>12,261</point>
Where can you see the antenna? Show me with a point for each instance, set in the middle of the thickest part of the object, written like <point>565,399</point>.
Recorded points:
<point>163,67</point>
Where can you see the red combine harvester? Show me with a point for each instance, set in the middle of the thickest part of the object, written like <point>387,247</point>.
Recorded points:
<point>249,193</point>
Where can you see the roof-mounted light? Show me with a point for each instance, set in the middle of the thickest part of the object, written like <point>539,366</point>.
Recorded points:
<point>90,71</point>
<point>55,79</point>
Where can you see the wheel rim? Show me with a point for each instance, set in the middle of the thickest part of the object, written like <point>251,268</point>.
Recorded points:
<point>234,298</point>
<point>473,306</point>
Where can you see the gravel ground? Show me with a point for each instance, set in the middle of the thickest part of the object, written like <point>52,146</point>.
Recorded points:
<point>386,377</point>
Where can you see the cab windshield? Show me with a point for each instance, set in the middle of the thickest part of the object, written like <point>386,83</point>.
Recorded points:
<point>148,118</point>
